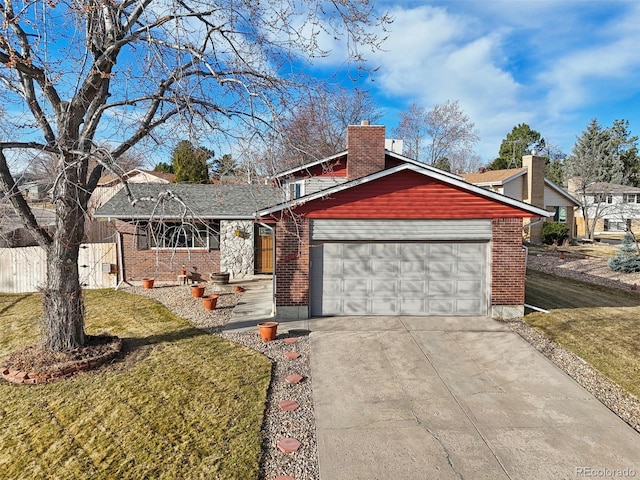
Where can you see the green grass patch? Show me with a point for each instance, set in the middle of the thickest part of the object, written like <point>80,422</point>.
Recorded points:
<point>191,406</point>
<point>599,324</point>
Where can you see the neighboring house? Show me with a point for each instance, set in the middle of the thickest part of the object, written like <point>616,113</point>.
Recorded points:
<point>207,228</point>
<point>108,186</point>
<point>370,232</point>
<point>610,208</point>
<point>529,185</point>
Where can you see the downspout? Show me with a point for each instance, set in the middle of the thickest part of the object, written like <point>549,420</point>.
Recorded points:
<point>273,254</point>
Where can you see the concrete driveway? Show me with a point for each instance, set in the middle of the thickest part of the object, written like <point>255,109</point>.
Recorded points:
<point>451,398</point>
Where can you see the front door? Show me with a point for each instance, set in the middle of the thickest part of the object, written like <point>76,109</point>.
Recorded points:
<point>263,249</point>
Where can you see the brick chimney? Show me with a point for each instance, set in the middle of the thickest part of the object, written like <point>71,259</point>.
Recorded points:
<point>533,192</point>
<point>365,149</point>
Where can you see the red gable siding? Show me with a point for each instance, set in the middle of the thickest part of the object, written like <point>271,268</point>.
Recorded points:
<point>408,195</point>
<point>334,168</point>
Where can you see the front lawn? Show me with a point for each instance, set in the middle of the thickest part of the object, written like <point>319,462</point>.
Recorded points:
<point>182,403</point>
<point>599,324</point>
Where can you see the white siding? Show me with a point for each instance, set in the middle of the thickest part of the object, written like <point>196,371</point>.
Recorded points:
<point>400,230</point>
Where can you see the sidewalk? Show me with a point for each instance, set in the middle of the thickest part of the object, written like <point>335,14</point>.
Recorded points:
<point>255,306</point>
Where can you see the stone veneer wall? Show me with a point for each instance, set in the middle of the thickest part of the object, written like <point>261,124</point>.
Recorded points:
<point>236,252</point>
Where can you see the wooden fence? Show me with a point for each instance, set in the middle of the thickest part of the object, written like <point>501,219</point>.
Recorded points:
<point>24,269</point>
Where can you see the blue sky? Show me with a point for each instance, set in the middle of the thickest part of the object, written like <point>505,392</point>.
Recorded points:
<point>554,65</point>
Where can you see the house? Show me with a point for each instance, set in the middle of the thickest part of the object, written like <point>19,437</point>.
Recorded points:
<point>610,208</point>
<point>529,185</point>
<point>108,186</point>
<point>370,232</point>
<point>205,228</point>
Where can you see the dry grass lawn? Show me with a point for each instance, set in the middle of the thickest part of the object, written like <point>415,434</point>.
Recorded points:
<point>599,324</point>
<point>189,406</point>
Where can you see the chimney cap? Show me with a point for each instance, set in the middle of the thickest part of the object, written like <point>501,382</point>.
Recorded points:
<point>364,122</point>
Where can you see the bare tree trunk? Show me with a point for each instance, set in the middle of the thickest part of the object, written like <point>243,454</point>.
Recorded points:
<point>63,307</point>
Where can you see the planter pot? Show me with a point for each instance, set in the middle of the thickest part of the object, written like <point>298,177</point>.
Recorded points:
<point>147,283</point>
<point>219,278</point>
<point>183,271</point>
<point>209,302</point>
<point>268,330</point>
<point>197,290</point>
<point>239,289</point>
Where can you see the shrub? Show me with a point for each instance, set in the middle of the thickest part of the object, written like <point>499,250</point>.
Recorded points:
<point>628,258</point>
<point>554,232</point>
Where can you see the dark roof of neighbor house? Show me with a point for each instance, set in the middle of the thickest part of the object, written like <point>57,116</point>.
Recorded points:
<point>157,200</point>
<point>603,187</point>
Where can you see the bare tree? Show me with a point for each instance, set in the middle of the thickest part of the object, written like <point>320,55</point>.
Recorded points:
<point>317,127</point>
<point>444,132</point>
<point>138,72</point>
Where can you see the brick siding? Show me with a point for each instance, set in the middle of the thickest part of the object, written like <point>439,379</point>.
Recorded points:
<point>508,257</point>
<point>164,265</point>
<point>292,264</point>
<point>365,150</point>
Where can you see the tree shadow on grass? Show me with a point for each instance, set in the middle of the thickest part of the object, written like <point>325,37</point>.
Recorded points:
<point>15,302</point>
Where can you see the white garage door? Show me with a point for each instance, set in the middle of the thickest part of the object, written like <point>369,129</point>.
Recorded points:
<point>397,278</point>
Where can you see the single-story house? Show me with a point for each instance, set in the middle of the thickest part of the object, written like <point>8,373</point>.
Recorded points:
<point>610,207</point>
<point>202,228</point>
<point>370,232</point>
<point>528,184</point>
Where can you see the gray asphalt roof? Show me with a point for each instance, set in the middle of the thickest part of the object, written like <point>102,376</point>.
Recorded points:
<point>203,201</point>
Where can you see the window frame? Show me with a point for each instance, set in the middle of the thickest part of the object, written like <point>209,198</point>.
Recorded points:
<point>178,236</point>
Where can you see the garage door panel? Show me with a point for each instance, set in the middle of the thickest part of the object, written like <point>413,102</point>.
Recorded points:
<point>396,278</point>
<point>469,286</point>
<point>468,307</point>
<point>358,268</point>
<point>354,286</point>
<point>356,251</point>
<point>384,267</point>
<point>415,287</point>
<point>384,287</point>
<point>354,306</point>
<point>470,268</point>
<point>385,305</point>
<point>441,307</point>
<point>441,289</point>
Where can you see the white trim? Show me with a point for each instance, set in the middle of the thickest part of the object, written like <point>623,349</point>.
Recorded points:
<point>309,165</point>
<point>428,172</point>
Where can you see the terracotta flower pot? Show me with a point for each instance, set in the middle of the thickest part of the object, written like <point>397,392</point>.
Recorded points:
<point>268,330</point>
<point>209,302</point>
<point>183,271</point>
<point>147,283</point>
<point>197,290</point>
<point>239,289</point>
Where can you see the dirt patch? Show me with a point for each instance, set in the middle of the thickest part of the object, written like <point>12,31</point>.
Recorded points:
<point>34,364</point>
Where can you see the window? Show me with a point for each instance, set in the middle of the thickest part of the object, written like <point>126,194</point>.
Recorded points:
<point>560,215</point>
<point>295,190</point>
<point>602,198</point>
<point>631,198</point>
<point>179,235</point>
<point>615,225</point>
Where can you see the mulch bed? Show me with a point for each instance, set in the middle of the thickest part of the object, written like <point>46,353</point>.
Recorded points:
<point>34,364</point>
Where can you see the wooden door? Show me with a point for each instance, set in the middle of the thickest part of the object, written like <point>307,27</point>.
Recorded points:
<point>264,250</point>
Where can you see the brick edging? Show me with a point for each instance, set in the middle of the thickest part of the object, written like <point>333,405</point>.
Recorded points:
<point>31,378</point>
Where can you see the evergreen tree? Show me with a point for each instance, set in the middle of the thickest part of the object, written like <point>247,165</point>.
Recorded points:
<point>164,167</point>
<point>190,163</point>
<point>519,142</point>
<point>626,147</point>
<point>628,258</point>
